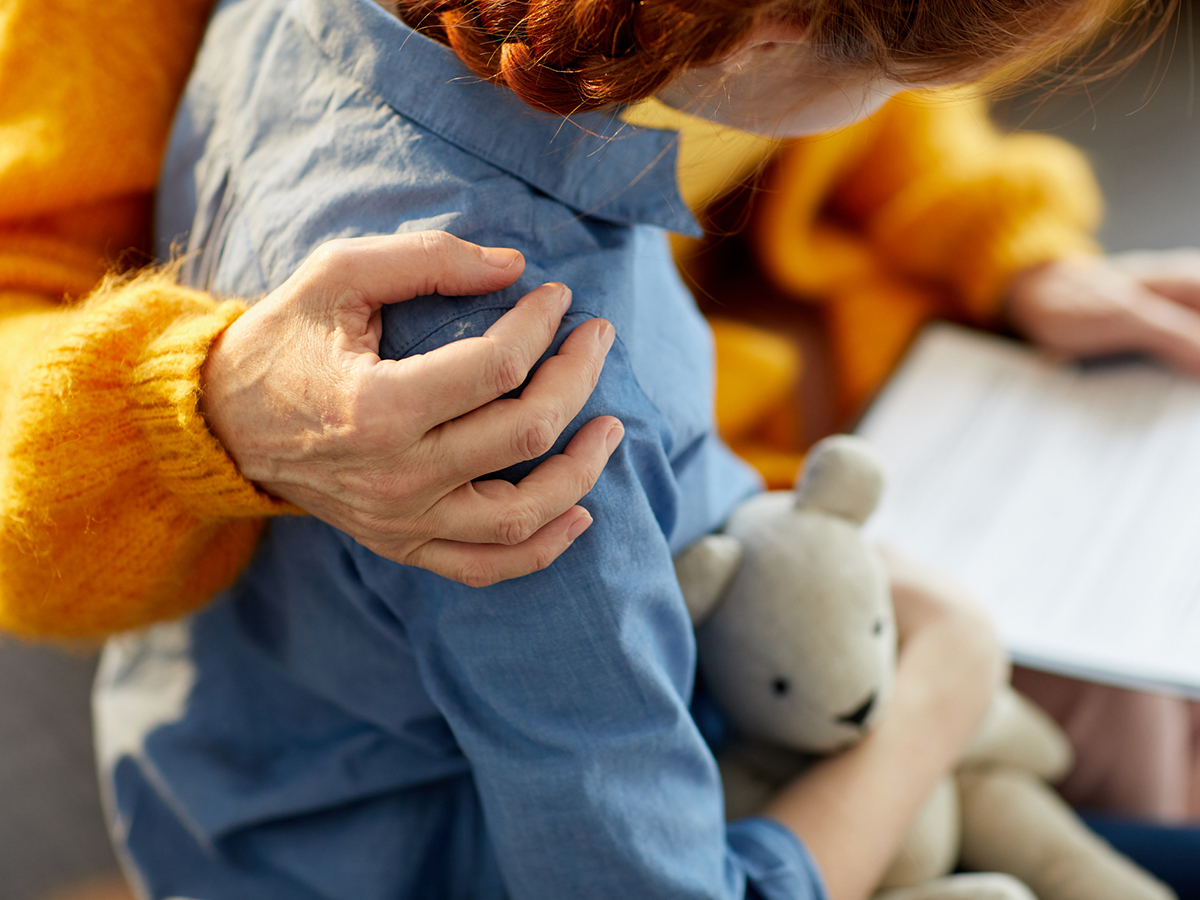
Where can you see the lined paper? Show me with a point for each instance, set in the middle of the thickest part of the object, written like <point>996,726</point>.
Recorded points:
<point>1066,497</point>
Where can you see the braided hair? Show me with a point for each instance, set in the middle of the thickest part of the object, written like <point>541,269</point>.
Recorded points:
<point>568,56</point>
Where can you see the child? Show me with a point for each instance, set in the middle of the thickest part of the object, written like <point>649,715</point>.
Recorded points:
<point>340,726</point>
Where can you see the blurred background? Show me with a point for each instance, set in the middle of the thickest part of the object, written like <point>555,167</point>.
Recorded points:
<point>1142,133</point>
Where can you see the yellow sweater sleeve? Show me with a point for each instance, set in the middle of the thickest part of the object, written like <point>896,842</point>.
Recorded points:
<point>117,507</point>
<point>943,197</point>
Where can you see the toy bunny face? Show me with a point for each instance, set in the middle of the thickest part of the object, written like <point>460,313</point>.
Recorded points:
<point>800,650</point>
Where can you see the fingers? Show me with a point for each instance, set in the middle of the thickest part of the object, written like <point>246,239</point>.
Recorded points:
<point>507,432</point>
<point>394,267</point>
<point>1085,308</point>
<point>466,374</point>
<point>497,512</point>
<point>1173,273</point>
<point>492,530</point>
<point>478,565</point>
<point>1167,329</point>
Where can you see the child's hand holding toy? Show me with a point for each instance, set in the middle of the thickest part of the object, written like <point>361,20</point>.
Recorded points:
<point>892,734</point>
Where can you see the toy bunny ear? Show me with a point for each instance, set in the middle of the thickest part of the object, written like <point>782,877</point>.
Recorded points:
<point>704,570</point>
<point>842,476</point>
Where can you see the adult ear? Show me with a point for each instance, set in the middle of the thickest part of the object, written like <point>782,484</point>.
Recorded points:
<point>842,476</point>
<point>705,569</point>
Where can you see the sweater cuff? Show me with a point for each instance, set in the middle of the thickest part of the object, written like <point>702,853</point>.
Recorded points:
<point>1039,240</point>
<point>164,396</point>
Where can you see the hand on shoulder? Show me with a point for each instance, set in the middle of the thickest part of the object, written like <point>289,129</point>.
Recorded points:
<point>388,450</point>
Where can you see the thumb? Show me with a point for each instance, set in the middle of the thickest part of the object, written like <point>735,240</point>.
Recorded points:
<point>394,267</point>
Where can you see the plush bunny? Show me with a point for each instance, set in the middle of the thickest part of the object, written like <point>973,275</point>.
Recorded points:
<point>797,644</point>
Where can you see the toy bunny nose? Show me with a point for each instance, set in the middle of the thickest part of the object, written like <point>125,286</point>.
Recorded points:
<point>859,715</point>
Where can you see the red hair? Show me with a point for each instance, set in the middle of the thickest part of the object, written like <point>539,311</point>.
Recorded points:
<point>566,56</point>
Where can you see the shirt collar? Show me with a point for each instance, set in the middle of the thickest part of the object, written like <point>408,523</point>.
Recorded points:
<point>593,162</point>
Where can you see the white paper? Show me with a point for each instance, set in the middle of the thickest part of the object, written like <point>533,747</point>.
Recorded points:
<point>1067,498</point>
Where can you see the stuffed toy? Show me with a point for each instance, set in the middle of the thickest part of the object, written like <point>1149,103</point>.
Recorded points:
<point>797,644</point>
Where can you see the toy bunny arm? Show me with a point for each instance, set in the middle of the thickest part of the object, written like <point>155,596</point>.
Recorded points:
<point>1018,733</point>
<point>1013,822</point>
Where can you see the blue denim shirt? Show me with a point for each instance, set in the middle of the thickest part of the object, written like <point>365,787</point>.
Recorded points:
<point>340,726</point>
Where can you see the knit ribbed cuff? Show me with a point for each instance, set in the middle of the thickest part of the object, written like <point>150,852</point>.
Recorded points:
<point>164,396</point>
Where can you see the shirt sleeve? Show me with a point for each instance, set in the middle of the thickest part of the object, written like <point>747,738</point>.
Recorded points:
<point>568,692</point>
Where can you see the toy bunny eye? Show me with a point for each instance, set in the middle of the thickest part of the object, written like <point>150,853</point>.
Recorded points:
<point>878,629</point>
<point>780,686</point>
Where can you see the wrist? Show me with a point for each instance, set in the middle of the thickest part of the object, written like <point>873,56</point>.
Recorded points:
<point>1039,296</point>
<point>231,398</point>
<point>213,380</point>
<point>169,387</point>
<point>946,678</point>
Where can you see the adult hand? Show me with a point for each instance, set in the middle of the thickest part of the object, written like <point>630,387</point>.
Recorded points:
<point>1144,302</point>
<point>387,450</point>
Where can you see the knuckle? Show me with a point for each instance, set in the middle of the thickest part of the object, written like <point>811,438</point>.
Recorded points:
<point>542,557</point>
<point>537,434</point>
<point>437,246</point>
<point>507,371</point>
<point>331,267</point>
<point>477,574</point>
<point>594,369</point>
<point>589,474</point>
<point>372,525</point>
<point>388,501</point>
<point>515,526</point>
<point>333,254</point>
<point>395,493</point>
<point>398,551</point>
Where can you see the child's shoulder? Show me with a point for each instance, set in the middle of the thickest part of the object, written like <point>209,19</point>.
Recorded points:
<point>307,120</point>
<point>315,119</point>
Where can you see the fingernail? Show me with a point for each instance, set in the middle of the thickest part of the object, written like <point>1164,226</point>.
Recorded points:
<point>500,257</point>
<point>605,336</point>
<point>614,437</point>
<point>579,526</point>
<point>564,294</point>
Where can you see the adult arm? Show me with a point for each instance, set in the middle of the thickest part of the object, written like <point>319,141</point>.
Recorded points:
<point>117,506</point>
<point>121,508</point>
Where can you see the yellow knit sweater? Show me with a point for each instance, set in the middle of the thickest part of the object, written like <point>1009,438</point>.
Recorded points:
<point>922,210</point>
<point>117,507</point>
